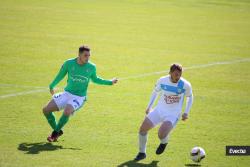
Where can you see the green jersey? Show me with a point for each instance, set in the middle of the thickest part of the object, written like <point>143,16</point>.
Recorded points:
<point>78,77</point>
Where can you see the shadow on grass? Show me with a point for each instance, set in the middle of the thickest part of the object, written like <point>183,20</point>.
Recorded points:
<point>36,148</point>
<point>190,165</point>
<point>133,163</point>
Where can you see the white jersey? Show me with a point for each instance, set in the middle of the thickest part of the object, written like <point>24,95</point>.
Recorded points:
<point>172,94</point>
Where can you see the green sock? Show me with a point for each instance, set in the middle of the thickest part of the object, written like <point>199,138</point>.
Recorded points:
<point>63,120</point>
<point>51,120</point>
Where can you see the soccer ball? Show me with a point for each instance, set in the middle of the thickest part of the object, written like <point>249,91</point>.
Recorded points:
<point>197,154</point>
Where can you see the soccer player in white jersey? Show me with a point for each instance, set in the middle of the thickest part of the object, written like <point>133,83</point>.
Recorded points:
<point>172,89</point>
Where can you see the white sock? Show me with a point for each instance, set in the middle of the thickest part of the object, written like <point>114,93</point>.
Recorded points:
<point>164,140</point>
<point>142,142</point>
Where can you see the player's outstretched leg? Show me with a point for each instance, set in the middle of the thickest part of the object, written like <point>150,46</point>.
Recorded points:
<point>143,135</point>
<point>163,134</point>
<point>62,122</point>
<point>48,113</point>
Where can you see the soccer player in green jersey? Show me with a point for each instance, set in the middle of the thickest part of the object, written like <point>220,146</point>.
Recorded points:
<point>80,71</point>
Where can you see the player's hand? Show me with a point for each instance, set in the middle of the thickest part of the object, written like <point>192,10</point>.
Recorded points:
<point>184,116</point>
<point>52,91</point>
<point>147,110</point>
<point>114,81</point>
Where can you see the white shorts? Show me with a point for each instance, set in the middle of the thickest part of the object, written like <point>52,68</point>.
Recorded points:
<point>156,116</point>
<point>63,98</point>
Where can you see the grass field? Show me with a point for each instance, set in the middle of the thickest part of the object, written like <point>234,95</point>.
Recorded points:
<point>128,38</point>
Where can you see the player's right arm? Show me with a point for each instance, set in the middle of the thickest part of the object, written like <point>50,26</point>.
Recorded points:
<point>61,74</point>
<point>154,95</point>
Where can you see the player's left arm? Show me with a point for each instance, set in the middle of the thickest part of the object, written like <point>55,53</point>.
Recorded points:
<point>98,80</point>
<point>189,102</point>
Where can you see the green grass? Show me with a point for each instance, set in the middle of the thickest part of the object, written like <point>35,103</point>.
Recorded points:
<point>127,38</point>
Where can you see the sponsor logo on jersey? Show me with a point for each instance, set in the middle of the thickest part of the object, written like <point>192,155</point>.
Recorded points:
<point>79,78</point>
<point>171,99</point>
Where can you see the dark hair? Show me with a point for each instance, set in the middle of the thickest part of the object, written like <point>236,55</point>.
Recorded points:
<point>83,48</point>
<point>174,67</point>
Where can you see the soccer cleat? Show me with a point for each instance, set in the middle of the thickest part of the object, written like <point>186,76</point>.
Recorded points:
<point>60,133</point>
<point>140,156</point>
<point>54,136</point>
<point>161,148</point>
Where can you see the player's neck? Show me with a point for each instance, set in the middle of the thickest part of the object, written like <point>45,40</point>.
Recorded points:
<point>171,79</point>
<point>80,62</point>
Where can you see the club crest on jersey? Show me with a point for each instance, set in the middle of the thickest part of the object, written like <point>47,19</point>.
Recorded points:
<point>179,91</point>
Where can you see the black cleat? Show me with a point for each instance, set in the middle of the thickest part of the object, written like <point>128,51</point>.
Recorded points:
<point>140,156</point>
<point>161,149</point>
<point>60,133</point>
<point>54,136</point>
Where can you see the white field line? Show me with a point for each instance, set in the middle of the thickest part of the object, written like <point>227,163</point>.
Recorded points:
<point>22,86</point>
<point>123,78</point>
<point>187,68</point>
<point>23,93</point>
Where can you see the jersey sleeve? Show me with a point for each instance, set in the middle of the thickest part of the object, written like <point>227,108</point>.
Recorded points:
<point>61,74</point>
<point>188,91</point>
<point>158,86</point>
<point>99,80</point>
<point>155,93</point>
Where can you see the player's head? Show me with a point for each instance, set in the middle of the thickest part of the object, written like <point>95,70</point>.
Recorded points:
<point>84,53</point>
<point>175,72</point>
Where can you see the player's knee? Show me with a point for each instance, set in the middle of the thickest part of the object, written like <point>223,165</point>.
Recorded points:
<point>164,130</point>
<point>143,130</point>
<point>162,135</point>
<point>45,110</point>
<point>143,133</point>
<point>166,126</point>
<point>169,124</point>
<point>67,112</point>
<point>146,126</point>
